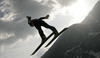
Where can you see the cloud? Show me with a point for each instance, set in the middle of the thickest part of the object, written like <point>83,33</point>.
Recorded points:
<point>17,10</point>
<point>13,22</point>
<point>60,2</point>
<point>29,7</point>
<point>6,10</point>
<point>6,35</point>
<point>66,2</point>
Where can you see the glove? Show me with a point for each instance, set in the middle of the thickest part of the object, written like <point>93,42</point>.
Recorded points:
<point>47,16</point>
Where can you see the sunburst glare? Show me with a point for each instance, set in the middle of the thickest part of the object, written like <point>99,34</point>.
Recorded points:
<point>78,10</point>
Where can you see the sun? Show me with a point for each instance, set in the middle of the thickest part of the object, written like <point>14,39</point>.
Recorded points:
<point>78,11</point>
<point>73,13</point>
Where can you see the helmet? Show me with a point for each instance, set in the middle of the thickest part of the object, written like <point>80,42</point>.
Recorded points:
<point>28,16</point>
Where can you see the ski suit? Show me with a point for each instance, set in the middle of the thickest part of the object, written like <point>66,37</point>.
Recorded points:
<point>38,23</point>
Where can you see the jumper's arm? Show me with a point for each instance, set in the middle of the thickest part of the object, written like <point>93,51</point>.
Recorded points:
<point>46,17</point>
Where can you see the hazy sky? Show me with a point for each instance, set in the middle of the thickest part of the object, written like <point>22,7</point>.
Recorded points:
<point>18,39</point>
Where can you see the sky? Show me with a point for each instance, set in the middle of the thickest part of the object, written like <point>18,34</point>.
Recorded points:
<point>18,39</point>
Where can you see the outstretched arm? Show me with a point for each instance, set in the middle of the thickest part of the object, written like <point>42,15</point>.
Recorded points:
<point>46,17</point>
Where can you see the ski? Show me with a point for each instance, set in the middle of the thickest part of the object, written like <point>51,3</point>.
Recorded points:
<point>55,37</point>
<point>42,44</point>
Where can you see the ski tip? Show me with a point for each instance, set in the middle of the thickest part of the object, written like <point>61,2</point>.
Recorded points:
<point>32,54</point>
<point>45,46</point>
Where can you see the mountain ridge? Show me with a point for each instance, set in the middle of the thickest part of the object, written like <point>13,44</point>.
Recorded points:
<point>80,40</point>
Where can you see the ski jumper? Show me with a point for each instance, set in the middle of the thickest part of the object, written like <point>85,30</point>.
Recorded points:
<point>38,23</point>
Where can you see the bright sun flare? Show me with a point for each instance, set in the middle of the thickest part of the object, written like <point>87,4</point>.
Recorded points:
<point>78,10</point>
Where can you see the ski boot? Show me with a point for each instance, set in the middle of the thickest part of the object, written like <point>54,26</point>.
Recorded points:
<point>43,38</point>
<point>55,33</point>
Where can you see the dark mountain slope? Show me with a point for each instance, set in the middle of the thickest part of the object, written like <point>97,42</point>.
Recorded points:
<point>80,40</point>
